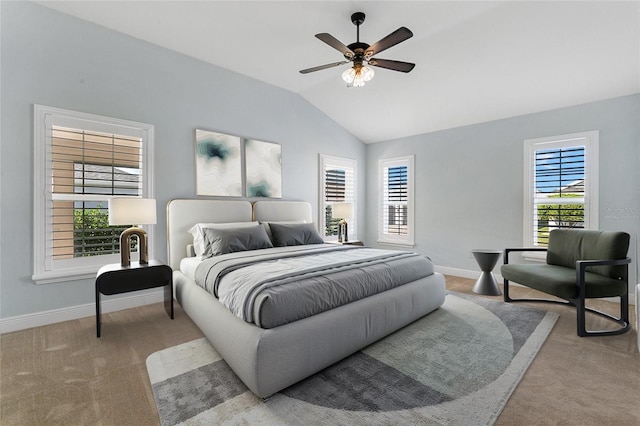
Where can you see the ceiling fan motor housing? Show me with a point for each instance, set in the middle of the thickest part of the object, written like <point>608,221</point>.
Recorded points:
<point>360,50</point>
<point>357,18</point>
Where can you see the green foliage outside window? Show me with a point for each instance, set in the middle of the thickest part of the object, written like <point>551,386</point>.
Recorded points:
<point>92,234</point>
<point>556,216</point>
<point>564,215</point>
<point>331,224</point>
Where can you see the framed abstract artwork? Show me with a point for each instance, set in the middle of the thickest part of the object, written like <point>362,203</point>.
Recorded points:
<point>263,163</point>
<point>218,164</point>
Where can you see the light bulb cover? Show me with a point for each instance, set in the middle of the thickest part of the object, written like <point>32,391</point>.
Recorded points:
<point>348,75</point>
<point>358,75</point>
<point>367,73</point>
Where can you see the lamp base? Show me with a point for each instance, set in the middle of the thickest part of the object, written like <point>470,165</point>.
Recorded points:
<point>343,231</point>
<point>125,246</point>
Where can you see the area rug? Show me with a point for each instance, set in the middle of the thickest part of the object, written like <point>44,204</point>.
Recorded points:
<point>455,366</point>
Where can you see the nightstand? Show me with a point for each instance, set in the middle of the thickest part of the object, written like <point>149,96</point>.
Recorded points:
<point>347,243</point>
<point>115,279</point>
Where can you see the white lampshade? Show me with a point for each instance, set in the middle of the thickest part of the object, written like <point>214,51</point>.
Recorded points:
<point>132,211</point>
<point>341,210</point>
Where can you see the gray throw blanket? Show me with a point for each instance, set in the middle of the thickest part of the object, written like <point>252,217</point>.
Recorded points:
<point>272,287</point>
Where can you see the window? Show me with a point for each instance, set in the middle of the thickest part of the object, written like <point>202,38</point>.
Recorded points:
<point>81,161</point>
<point>337,185</point>
<point>396,202</point>
<point>561,185</point>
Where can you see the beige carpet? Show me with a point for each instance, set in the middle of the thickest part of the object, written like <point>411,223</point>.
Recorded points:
<point>62,374</point>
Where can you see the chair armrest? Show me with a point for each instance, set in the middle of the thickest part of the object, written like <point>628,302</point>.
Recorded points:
<point>582,264</point>
<point>520,249</point>
<point>581,267</point>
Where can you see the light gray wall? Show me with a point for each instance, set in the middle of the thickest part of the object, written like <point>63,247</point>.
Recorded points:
<point>469,180</point>
<point>52,59</point>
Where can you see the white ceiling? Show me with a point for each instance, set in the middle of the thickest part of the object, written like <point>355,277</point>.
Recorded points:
<point>475,61</point>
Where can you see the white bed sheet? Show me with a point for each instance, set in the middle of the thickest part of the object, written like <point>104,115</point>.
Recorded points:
<point>188,266</point>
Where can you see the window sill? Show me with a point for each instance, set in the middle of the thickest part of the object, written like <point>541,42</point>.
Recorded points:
<point>51,277</point>
<point>396,243</point>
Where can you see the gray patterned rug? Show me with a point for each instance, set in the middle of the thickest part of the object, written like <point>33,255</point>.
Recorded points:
<point>456,366</point>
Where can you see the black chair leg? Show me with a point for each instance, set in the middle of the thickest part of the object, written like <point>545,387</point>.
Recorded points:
<point>506,291</point>
<point>581,317</point>
<point>624,307</point>
<point>623,320</point>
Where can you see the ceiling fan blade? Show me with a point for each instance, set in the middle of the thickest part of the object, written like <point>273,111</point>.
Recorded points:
<point>336,44</point>
<point>398,36</point>
<point>392,65</point>
<point>323,67</point>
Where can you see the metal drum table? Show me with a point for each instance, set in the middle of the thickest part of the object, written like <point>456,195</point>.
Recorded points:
<point>486,283</point>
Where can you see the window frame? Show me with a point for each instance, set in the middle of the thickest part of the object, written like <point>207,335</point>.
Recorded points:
<point>45,270</point>
<point>391,239</point>
<point>590,141</point>
<point>346,163</point>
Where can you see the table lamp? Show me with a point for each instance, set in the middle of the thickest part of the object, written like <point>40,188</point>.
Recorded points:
<point>132,211</point>
<point>342,211</point>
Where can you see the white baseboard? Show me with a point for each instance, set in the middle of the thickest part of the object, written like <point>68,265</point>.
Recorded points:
<point>22,322</point>
<point>463,273</point>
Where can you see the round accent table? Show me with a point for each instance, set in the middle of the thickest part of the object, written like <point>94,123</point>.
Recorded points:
<point>486,283</point>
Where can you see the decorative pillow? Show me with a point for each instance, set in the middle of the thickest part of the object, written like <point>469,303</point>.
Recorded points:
<point>198,233</point>
<point>294,234</point>
<point>267,225</point>
<point>229,240</point>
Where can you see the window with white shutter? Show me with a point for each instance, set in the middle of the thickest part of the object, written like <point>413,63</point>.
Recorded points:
<point>337,185</point>
<point>81,161</point>
<point>396,201</point>
<point>561,185</point>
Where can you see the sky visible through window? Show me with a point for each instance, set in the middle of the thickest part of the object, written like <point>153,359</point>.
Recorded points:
<point>558,170</point>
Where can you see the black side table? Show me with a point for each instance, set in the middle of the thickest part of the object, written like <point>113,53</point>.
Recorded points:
<point>115,279</point>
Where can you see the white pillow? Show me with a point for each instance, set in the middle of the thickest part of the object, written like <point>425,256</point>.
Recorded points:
<point>198,233</point>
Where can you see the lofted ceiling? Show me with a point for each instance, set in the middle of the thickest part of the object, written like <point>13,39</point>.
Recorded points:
<point>475,61</point>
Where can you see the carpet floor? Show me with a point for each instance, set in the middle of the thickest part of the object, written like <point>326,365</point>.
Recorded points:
<point>61,374</point>
<point>457,365</point>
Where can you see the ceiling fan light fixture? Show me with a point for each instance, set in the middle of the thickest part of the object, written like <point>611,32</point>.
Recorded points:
<point>361,53</point>
<point>356,76</point>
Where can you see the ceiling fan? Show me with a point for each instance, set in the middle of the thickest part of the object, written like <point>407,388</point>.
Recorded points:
<point>361,54</point>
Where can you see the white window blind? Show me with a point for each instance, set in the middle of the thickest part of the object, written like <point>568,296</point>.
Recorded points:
<point>86,168</point>
<point>396,204</point>
<point>81,161</point>
<point>561,187</point>
<point>337,185</point>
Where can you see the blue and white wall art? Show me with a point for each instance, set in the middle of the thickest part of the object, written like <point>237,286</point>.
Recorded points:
<point>263,161</point>
<point>218,164</point>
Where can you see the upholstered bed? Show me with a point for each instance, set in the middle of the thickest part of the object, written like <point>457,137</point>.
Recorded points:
<point>269,358</point>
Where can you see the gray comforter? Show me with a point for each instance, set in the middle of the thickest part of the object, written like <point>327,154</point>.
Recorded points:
<point>272,287</point>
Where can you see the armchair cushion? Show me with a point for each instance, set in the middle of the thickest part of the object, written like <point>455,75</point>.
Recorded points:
<point>560,281</point>
<point>568,246</point>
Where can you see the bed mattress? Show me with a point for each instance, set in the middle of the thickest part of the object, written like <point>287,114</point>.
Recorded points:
<point>273,287</point>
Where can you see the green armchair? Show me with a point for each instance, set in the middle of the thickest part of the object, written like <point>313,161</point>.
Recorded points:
<point>580,265</point>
